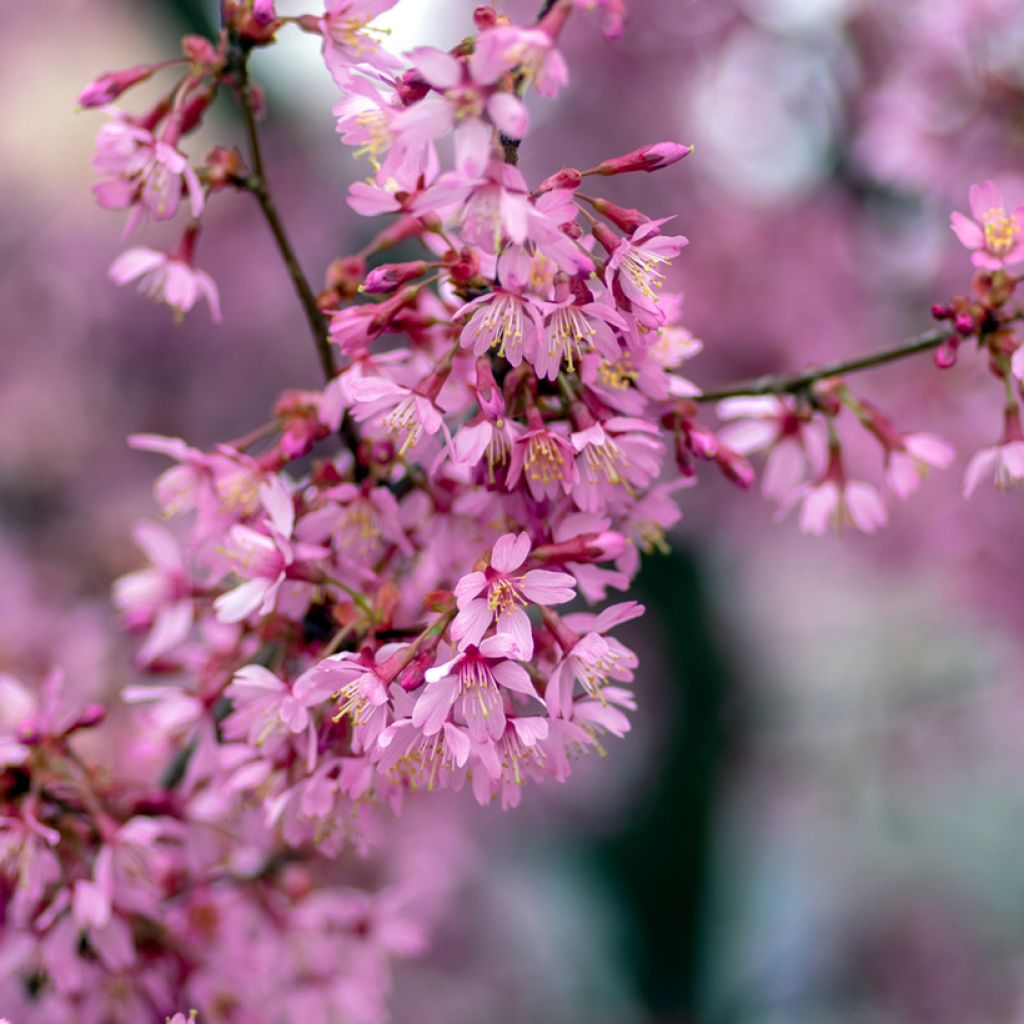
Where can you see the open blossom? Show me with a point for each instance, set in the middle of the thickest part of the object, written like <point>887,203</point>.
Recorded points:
<point>592,659</point>
<point>546,457</point>
<point>159,598</point>
<point>143,172</point>
<point>838,503</point>
<point>797,447</point>
<point>506,322</point>
<point>166,278</point>
<point>498,594</point>
<point>350,40</point>
<point>994,236</point>
<point>638,264</point>
<point>906,466</point>
<point>464,91</point>
<point>262,558</point>
<point>472,682</point>
<point>1005,462</point>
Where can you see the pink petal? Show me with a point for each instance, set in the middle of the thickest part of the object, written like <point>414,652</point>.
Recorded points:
<point>543,586</point>
<point>510,551</point>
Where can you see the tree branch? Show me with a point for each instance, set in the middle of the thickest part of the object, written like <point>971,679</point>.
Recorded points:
<point>791,385</point>
<point>256,183</point>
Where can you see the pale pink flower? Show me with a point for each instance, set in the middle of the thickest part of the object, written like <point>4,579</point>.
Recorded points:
<point>159,598</point>
<point>404,412</point>
<point>906,466</point>
<point>593,659</point>
<point>637,267</point>
<point>464,91</point>
<point>547,458</point>
<point>262,705</point>
<point>469,682</point>
<point>839,503</point>
<point>507,763</point>
<point>573,329</point>
<point>262,558</point>
<point>166,278</point>
<point>796,447</point>
<point>500,594</point>
<point>994,236</point>
<point>143,172</point>
<point>1005,461</point>
<point>350,40</point>
<point>530,51</point>
<point>620,456</point>
<point>502,320</point>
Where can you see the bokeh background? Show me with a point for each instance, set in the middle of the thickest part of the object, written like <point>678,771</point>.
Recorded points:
<point>820,814</point>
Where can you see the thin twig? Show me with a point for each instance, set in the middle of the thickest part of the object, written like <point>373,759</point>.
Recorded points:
<point>256,183</point>
<point>795,383</point>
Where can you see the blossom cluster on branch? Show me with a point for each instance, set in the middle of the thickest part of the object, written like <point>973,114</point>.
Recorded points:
<point>369,597</point>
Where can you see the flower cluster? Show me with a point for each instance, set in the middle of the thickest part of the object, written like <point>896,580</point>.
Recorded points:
<point>368,597</point>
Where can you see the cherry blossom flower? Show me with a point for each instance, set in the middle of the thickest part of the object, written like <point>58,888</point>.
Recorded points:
<point>157,599</point>
<point>505,595</point>
<point>167,278</point>
<point>636,268</point>
<point>839,503</point>
<point>507,322</point>
<point>994,236</point>
<point>906,466</point>
<point>471,681</point>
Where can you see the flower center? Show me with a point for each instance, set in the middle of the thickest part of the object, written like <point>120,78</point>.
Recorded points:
<point>1001,231</point>
<point>504,595</point>
<point>544,460</point>
<point>569,335</point>
<point>617,373</point>
<point>642,268</point>
<point>504,321</point>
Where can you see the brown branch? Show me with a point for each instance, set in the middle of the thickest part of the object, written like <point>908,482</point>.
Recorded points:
<point>794,384</point>
<point>256,183</point>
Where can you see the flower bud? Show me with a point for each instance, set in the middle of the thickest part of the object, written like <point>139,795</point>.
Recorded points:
<point>199,51</point>
<point>263,11</point>
<point>942,312</point>
<point>567,177</point>
<point>964,324</point>
<point>646,158</point>
<point>625,219</point>
<point>945,354</point>
<point>109,86</point>
<point>389,276</point>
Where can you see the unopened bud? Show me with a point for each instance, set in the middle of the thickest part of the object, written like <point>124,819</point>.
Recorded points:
<point>110,85</point>
<point>625,219</point>
<point>646,158</point>
<point>567,177</point>
<point>942,312</point>
<point>263,11</point>
<point>945,354</point>
<point>390,276</point>
<point>199,51</point>
<point>964,324</point>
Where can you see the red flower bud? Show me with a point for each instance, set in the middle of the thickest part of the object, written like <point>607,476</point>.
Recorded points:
<point>646,158</point>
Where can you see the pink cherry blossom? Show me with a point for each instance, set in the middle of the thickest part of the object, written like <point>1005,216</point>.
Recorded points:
<point>166,278</point>
<point>499,595</point>
<point>994,237</point>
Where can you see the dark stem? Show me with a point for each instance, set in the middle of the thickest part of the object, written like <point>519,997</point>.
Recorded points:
<point>791,385</point>
<point>256,183</point>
